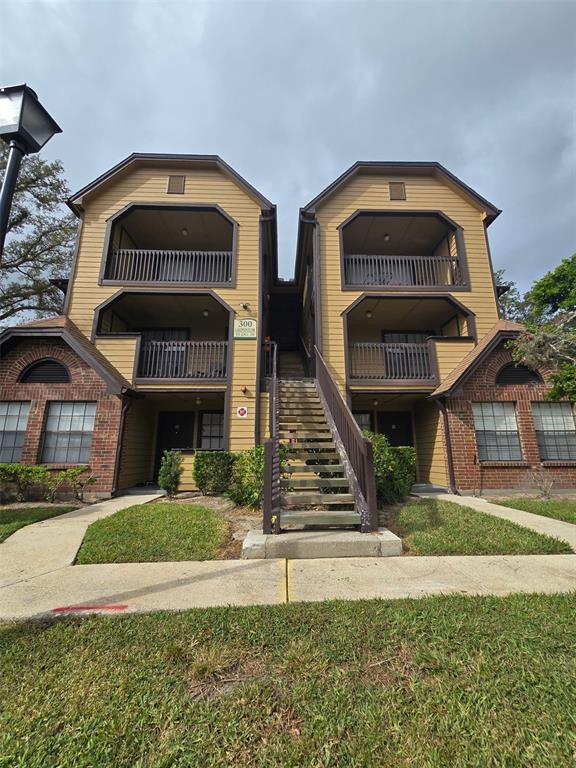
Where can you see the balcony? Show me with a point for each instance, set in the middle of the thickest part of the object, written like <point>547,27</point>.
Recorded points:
<point>162,266</point>
<point>191,360</point>
<point>391,363</point>
<point>381,249</point>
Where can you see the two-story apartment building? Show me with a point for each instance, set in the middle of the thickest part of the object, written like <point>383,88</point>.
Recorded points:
<point>177,333</point>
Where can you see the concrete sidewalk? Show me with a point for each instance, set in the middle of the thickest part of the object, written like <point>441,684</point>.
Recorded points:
<point>545,525</point>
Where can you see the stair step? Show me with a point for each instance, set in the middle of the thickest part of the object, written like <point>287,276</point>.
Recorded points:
<point>297,483</point>
<point>302,417</point>
<point>314,427</point>
<point>290,499</point>
<point>319,517</point>
<point>304,452</point>
<point>301,436</point>
<point>313,468</point>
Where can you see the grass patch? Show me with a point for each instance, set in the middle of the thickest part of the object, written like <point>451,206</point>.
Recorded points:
<point>430,527</point>
<point>148,533</point>
<point>559,509</point>
<point>14,518</point>
<point>442,681</point>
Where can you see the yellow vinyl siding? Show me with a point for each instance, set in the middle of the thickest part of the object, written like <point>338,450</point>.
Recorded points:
<point>136,460</point>
<point>187,482</point>
<point>450,353</point>
<point>429,440</point>
<point>264,416</point>
<point>148,185</point>
<point>121,352</point>
<point>422,193</point>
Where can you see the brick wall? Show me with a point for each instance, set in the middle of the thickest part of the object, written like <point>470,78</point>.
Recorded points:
<point>85,384</point>
<point>471,476</point>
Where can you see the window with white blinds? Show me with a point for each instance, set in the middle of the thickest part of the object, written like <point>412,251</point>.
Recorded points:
<point>555,431</point>
<point>496,432</point>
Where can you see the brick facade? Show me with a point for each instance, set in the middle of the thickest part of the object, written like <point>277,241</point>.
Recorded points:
<point>473,476</point>
<point>85,385</point>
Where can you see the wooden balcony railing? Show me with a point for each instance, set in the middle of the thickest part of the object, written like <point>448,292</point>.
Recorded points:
<point>391,362</point>
<point>153,266</point>
<point>441,271</point>
<point>205,360</point>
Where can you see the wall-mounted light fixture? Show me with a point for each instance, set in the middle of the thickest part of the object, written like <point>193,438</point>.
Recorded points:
<point>375,403</point>
<point>369,314</point>
<point>205,313</point>
<point>198,401</point>
<point>184,231</point>
<point>244,390</point>
<point>386,238</point>
<point>245,305</point>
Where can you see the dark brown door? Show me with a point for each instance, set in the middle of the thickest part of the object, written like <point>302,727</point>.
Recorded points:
<point>175,431</point>
<point>397,426</point>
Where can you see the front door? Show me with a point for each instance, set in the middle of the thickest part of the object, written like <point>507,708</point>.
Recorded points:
<point>175,431</point>
<point>397,426</point>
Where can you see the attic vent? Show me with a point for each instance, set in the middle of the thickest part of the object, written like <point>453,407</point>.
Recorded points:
<point>397,190</point>
<point>176,185</point>
<point>45,372</point>
<point>517,374</point>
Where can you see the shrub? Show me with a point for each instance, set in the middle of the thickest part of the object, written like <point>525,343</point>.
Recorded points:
<point>213,470</point>
<point>77,478</point>
<point>170,471</point>
<point>247,484</point>
<point>24,477</point>
<point>394,468</point>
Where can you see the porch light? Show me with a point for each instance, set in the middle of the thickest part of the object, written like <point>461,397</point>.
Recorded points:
<point>369,313</point>
<point>184,231</point>
<point>205,313</point>
<point>386,237</point>
<point>198,401</point>
<point>374,403</point>
<point>26,127</point>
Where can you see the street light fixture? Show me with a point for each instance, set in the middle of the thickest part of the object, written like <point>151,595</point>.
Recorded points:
<point>26,127</point>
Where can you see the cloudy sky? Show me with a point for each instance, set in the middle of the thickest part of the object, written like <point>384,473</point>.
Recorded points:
<point>292,93</point>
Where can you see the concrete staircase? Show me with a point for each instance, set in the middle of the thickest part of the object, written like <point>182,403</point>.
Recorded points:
<point>314,489</point>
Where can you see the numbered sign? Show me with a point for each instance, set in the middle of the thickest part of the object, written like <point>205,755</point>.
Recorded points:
<point>245,328</point>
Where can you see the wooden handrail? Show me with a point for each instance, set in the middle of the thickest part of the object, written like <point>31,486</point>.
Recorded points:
<point>357,447</point>
<point>271,495</point>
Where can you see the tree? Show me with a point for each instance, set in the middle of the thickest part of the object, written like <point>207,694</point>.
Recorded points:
<point>550,337</point>
<point>39,242</point>
<point>512,305</point>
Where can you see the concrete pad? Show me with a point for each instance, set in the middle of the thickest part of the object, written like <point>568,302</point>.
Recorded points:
<point>355,579</point>
<point>545,525</point>
<point>319,544</point>
<point>138,587</point>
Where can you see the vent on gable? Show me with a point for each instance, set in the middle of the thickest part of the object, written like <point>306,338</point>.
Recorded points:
<point>397,190</point>
<point>176,185</point>
<point>45,372</point>
<point>517,374</point>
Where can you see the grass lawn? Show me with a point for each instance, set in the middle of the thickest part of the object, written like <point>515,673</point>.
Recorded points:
<point>13,518</point>
<point>443,681</point>
<point>148,533</point>
<point>560,509</point>
<point>430,527</point>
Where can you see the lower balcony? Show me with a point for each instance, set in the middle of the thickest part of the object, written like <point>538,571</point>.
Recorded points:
<point>392,363</point>
<point>191,360</point>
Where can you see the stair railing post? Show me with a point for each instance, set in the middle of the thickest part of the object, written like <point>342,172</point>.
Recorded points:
<point>267,502</point>
<point>371,523</point>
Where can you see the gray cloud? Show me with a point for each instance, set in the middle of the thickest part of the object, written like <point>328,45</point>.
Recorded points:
<point>292,93</point>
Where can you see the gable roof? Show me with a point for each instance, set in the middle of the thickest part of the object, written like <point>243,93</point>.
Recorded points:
<point>63,328</point>
<point>503,329</point>
<point>200,161</point>
<point>407,169</point>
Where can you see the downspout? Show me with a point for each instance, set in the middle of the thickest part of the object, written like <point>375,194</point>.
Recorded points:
<point>126,403</point>
<point>448,443</point>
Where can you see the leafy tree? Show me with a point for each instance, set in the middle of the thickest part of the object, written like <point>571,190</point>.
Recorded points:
<point>512,304</point>
<point>555,293</point>
<point>39,242</point>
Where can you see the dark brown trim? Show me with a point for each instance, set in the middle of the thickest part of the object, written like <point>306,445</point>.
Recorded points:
<point>448,443</point>
<point>112,220</point>
<point>180,381</point>
<point>74,266</point>
<point>75,201</point>
<point>316,271</point>
<point>491,265</point>
<point>261,289</point>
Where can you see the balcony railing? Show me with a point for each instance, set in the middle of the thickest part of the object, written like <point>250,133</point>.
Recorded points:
<point>361,270</point>
<point>205,360</point>
<point>391,362</point>
<point>153,266</point>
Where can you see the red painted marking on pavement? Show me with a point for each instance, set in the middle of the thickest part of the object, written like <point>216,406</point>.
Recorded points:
<point>70,608</point>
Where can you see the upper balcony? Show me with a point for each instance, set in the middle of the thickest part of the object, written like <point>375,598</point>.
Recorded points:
<point>151,244</point>
<point>404,251</point>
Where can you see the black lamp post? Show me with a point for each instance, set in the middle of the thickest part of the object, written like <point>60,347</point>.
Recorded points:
<point>25,126</point>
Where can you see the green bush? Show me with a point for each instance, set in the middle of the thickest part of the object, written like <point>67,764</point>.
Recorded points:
<point>213,470</point>
<point>170,471</point>
<point>247,485</point>
<point>24,477</point>
<point>77,478</point>
<point>394,468</point>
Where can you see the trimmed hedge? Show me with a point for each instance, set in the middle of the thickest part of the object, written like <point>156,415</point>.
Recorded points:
<point>213,470</point>
<point>170,471</point>
<point>22,478</point>
<point>247,481</point>
<point>395,469</point>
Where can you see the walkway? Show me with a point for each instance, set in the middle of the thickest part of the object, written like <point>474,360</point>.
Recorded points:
<point>37,577</point>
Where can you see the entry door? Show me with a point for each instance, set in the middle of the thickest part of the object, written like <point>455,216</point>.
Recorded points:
<point>175,431</point>
<point>397,426</point>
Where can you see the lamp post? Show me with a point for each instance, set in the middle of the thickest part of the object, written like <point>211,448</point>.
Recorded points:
<point>25,126</point>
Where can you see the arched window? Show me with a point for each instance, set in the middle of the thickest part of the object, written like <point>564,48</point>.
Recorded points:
<point>517,374</point>
<point>45,372</point>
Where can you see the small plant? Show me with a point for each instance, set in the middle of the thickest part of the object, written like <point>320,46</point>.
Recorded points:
<point>247,484</point>
<point>394,468</point>
<point>170,471</point>
<point>213,470</point>
<point>78,480</point>
<point>54,482</point>
<point>541,479</point>
<point>24,477</point>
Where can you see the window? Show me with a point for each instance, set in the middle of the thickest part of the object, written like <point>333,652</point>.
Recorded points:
<point>364,420</point>
<point>397,190</point>
<point>13,423</point>
<point>211,431</point>
<point>176,185</point>
<point>68,433</point>
<point>555,431</point>
<point>45,372</point>
<point>517,374</point>
<point>496,432</point>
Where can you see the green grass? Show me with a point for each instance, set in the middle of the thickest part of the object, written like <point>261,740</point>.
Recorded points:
<point>560,509</point>
<point>154,532</point>
<point>444,681</point>
<point>430,527</point>
<point>14,518</point>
